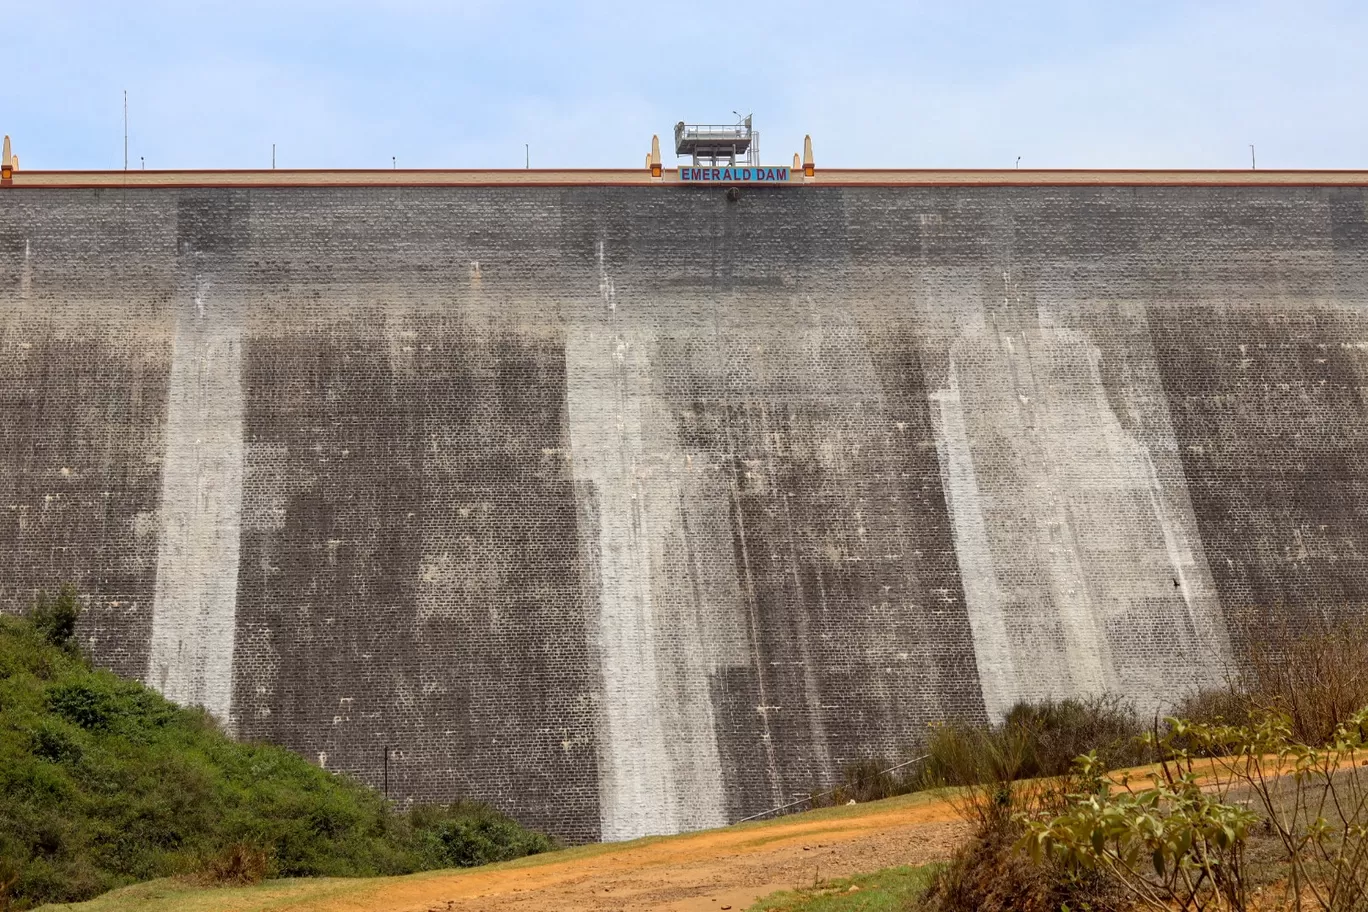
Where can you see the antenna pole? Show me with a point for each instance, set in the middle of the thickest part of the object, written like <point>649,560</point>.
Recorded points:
<point>272,156</point>
<point>527,157</point>
<point>125,129</point>
<point>1253,166</point>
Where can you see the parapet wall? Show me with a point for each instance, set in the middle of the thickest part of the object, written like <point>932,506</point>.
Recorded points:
<point>634,509</point>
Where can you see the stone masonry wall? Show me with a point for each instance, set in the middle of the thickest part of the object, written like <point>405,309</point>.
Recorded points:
<point>635,510</point>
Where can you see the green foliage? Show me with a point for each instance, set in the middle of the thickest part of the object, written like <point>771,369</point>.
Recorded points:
<point>1181,842</point>
<point>989,874</point>
<point>1169,844</point>
<point>1058,731</point>
<point>1213,706</point>
<point>55,617</point>
<point>960,754</point>
<point>998,770</point>
<point>469,834</point>
<point>1274,764</point>
<point>890,890</point>
<point>104,783</point>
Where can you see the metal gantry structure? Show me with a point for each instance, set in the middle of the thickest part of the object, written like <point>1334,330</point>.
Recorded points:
<point>718,144</point>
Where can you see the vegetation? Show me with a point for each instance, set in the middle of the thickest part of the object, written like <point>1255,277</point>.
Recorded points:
<point>1318,679</point>
<point>989,873</point>
<point>104,783</point>
<point>889,890</point>
<point>1258,799</point>
<point>55,618</point>
<point>1183,841</point>
<point>871,779</point>
<point>1035,739</point>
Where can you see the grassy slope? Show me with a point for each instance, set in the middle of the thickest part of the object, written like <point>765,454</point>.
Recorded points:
<point>890,890</point>
<point>104,783</point>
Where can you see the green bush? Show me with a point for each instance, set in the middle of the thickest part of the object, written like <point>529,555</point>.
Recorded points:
<point>55,617</point>
<point>1035,739</point>
<point>1181,839</point>
<point>1019,769</point>
<point>104,783</point>
<point>1215,706</point>
<point>468,834</point>
<point>987,873</point>
<point>1059,731</point>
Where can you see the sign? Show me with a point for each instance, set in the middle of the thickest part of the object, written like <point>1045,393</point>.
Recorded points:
<point>745,175</point>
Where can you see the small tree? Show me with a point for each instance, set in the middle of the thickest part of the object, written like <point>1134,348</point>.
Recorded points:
<point>55,617</point>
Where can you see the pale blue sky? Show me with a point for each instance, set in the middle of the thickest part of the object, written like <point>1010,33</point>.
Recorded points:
<point>913,84</point>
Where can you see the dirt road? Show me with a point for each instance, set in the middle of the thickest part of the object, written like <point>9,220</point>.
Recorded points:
<point>705,871</point>
<point>712,870</point>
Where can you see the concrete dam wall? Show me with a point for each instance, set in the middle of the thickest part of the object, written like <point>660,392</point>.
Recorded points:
<point>635,509</point>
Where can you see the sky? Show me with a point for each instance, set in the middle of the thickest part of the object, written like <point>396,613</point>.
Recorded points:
<point>1141,84</point>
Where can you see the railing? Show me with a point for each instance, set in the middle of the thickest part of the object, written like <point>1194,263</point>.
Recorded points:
<point>711,132</point>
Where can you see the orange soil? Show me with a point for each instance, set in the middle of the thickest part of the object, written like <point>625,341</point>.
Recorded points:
<point>712,870</point>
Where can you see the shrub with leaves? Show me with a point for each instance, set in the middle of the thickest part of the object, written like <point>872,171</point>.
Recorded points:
<point>55,616</point>
<point>1170,844</point>
<point>1181,841</point>
<point>1314,800</point>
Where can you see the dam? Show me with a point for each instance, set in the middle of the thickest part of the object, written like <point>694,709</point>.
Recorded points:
<point>632,505</point>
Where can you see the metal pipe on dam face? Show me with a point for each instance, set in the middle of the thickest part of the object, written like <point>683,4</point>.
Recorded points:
<point>640,509</point>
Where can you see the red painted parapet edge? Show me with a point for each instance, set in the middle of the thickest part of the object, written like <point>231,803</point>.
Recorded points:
<point>807,177</point>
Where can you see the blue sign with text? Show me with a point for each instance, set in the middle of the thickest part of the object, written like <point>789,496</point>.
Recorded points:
<point>743,175</point>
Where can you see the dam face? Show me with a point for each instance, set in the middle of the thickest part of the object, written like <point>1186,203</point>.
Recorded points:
<point>634,509</point>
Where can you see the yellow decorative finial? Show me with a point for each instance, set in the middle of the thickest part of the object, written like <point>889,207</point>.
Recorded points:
<point>6,165</point>
<point>797,162</point>
<point>809,170</point>
<point>5,158</point>
<point>653,162</point>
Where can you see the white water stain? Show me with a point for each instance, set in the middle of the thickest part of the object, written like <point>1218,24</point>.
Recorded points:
<point>982,592</point>
<point>194,615</point>
<point>1073,552</point>
<point>656,639</point>
<point>26,274</point>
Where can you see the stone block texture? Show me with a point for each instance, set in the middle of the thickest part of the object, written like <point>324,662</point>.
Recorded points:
<point>637,510</point>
